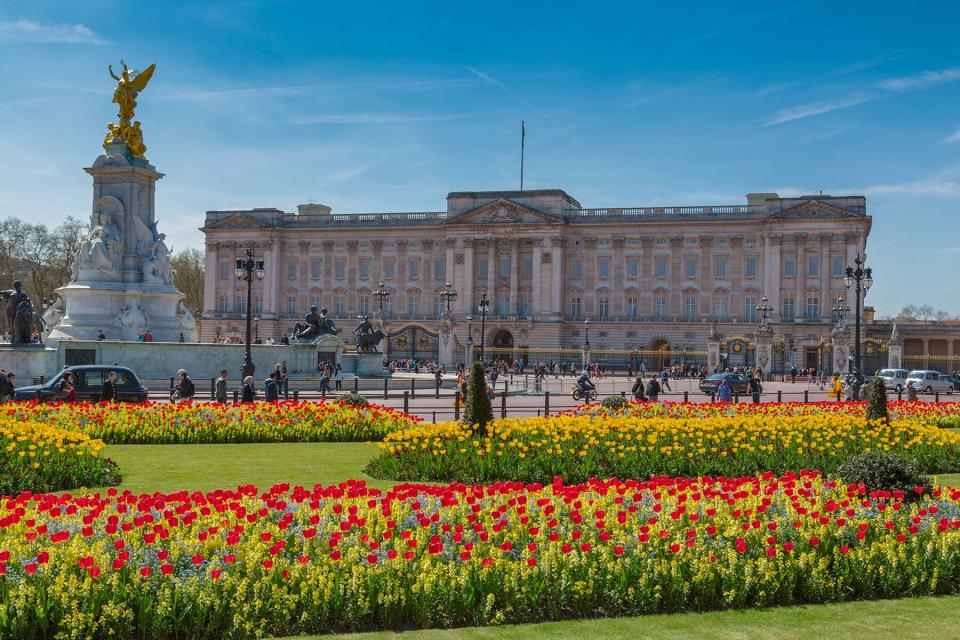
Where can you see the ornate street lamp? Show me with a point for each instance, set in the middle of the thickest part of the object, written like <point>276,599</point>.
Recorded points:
<point>256,329</point>
<point>861,279</point>
<point>840,310</point>
<point>483,305</point>
<point>586,333</point>
<point>449,294</point>
<point>246,270</point>
<point>468,358</point>
<point>764,310</point>
<point>381,294</point>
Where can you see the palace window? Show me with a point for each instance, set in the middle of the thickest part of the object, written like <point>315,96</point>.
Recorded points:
<point>258,304</point>
<point>813,306</point>
<point>221,303</point>
<point>691,242</point>
<point>750,307</point>
<point>315,301</point>
<point>603,307</point>
<point>690,306</point>
<point>720,306</point>
<point>660,267</point>
<point>363,304</point>
<point>528,268</point>
<point>340,268</point>
<point>240,303</point>
<point>750,267</point>
<point>836,267</point>
<point>661,242</point>
<point>720,242</point>
<point>224,269</point>
<point>633,268</point>
<point>503,303</point>
<point>439,306</point>
<point>504,267</point>
<point>388,307</point>
<point>789,308</point>
<point>660,307</point>
<point>789,268</point>
<point>364,269</point>
<point>414,268</point>
<point>389,268</point>
<point>750,241</point>
<point>291,305</point>
<point>690,268</point>
<point>339,306</point>
<point>439,269</point>
<point>576,269</point>
<point>603,267</point>
<point>292,269</point>
<point>719,267</point>
<point>575,308</point>
<point>633,307</point>
<point>482,268</point>
<point>813,266</point>
<point>315,271</point>
<point>413,305</point>
<point>526,304</point>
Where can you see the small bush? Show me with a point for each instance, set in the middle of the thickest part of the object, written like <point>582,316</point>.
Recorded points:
<point>876,394</point>
<point>478,410</point>
<point>353,399</point>
<point>881,471</point>
<point>614,402</point>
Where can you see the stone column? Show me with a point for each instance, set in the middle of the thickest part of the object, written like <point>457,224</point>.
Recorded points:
<point>764,351</point>
<point>841,337</point>
<point>353,276</point>
<point>400,304</point>
<point>590,306</point>
<point>926,353</point>
<point>539,308</point>
<point>514,274</point>
<point>469,304</point>
<point>449,270</point>
<point>735,306</point>
<point>618,268</point>
<point>895,350</point>
<point>492,272</point>
<point>705,277</point>
<point>772,277</point>
<point>329,257</point>
<point>557,268</point>
<point>853,248</point>
<point>800,289</point>
<point>273,279</point>
<point>675,277</point>
<point>210,275</point>
<point>647,295</point>
<point>713,355</point>
<point>825,304</point>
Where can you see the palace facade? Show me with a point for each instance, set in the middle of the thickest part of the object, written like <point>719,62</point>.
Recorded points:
<point>652,281</point>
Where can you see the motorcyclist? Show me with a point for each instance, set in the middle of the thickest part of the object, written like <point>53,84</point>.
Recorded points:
<point>584,383</point>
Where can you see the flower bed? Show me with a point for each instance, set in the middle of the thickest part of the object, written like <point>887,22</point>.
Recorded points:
<point>244,564</point>
<point>630,446</point>
<point>942,414</point>
<point>208,423</point>
<point>36,457</point>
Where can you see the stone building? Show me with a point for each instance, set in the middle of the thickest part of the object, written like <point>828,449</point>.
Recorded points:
<point>651,280</point>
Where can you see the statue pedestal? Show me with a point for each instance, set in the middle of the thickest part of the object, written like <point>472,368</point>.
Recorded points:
<point>713,356</point>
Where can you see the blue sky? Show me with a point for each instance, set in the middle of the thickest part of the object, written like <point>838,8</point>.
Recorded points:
<point>388,106</point>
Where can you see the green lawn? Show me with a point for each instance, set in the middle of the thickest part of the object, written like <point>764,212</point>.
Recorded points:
<point>204,467</point>
<point>877,620</point>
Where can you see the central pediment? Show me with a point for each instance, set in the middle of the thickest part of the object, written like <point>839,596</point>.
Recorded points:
<point>238,221</point>
<point>502,211</point>
<point>812,209</point>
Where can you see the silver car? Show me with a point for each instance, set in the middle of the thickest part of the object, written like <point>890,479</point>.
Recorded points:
<point>895,379</point>
<point>927,381</point>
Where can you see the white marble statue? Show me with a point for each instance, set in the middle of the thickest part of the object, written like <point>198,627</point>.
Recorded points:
<point>130,317</point>
<point>157,268</point>
<point>51,317</point>
<point>185,318</point>
<point>102,248</point>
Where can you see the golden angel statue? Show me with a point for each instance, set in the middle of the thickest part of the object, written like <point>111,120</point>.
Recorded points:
<point>129,86</point>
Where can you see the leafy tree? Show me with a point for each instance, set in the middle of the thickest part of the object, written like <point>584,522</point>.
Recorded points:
<point>877,401</point>
<point>478,411</point>
<point>188,278</point>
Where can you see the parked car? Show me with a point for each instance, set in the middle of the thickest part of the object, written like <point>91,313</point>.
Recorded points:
<point>88,380</point>
<point>953,379</point>
<point>738,383</point>
<point>894,379</point>
<point>927,381</point>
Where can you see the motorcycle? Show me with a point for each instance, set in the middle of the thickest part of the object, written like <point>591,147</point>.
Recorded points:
<point>579,394</point>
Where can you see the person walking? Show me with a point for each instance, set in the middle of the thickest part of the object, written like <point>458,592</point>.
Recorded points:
<point>338,378</point>
<point>283,383</point>
<point>248,393</point>
<point>67,387</point>
<point>271,388</point>
<point>184,389</point>
<point>911,391</point>
<point>724,392</point>
<point>665,380</point>
<point>755,388</point>
<point>836,387</point>
<point>108,391</point>
<point>220,388</point>
<point>793,375</point>
<point>325,381</point>
<point>653,389</point>
<point>6,392</point>
<point>637,390</point>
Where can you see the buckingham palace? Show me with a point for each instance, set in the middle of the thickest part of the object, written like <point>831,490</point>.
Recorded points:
<point>652,281</point>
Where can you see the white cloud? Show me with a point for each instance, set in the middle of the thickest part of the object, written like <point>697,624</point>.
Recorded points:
<point>921,80</point>
<point>939,187</point>
<point>816,108</point>
<point>27,31</point>
<point>950,250</point>
<point>953,137</point>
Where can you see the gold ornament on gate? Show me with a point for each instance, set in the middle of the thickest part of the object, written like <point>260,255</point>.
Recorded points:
<point>129,86</point>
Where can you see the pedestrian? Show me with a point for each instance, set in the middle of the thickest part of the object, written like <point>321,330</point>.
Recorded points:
<point>338,378</point>
<point>184,389</point>
<point>911,391</point>
<point>270,388</point>
<point>724,392</point>
<point>181,337</point>
<point>284,339</point>
<point>101,336</point>
<point>793,375</point>
<point>283,383</point>
<point>653,389</point>
<point>108,391</point>
<point>836,389</point>
<point>67,387</point>
<point>665,380</point>
<point>12,384</point>
<point>220,388</point>
<point>755,388</point>
<point>6,393</point>
<point>637,390</point>
<point>325,381</point>
<point>248,393</point>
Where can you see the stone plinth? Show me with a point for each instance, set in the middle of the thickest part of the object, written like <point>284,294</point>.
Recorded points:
<point>28,361</point>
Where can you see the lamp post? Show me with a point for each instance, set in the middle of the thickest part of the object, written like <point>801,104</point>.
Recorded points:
<point>861,279</point>
<point>449,294</point>
<point>256,329</point>
<point>764,310</point>
<point>840,310</point>
<point>586,343</point>
<point>483,305</point>
<point>381,294</point>
<point>468,357</point>
<point>246,270</point>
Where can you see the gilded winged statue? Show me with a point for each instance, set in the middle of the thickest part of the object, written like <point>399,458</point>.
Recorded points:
<point>129,86</point>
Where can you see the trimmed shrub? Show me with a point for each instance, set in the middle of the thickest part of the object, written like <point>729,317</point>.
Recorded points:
<point>353,399</point>
<point>478,411</point>
<point>882,471</point>
<point>877,401</point>
<point>614,402</point>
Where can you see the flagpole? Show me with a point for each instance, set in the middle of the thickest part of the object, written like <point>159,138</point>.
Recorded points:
<point>523,136</point>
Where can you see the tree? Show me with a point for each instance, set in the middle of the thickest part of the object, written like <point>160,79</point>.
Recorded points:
<point>478,411</point>
<point>924,313</point>
<point>188,278</point>
<point>877,401</point>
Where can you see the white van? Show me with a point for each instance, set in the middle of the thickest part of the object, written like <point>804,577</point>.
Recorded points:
<point>894,379</point>
<point>927,381</point>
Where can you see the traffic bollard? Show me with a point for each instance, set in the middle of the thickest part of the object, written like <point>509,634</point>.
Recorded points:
<point>406,402</point>
<point>503,405</point>
<point>686,397</point>
<point>385,395</point>
<point>236,396</point>
<point>806,396</point>
<point>546,403</point>
<point>356,384</point>
<point>213,384</point>
<point>779,395</point>
<point>437,392</point>
<point>296,395</point>
<point>413,387</point>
